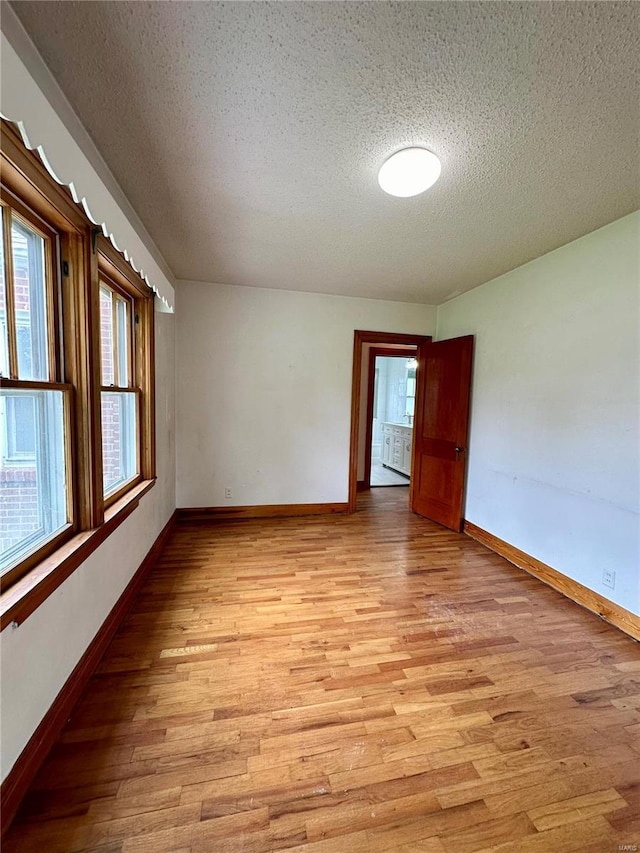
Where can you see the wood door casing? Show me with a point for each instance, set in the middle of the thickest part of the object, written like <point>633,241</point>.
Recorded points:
<point>441,429</point>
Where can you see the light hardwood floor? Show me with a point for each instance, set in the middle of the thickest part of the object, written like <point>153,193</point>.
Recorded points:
<point>356,683</point>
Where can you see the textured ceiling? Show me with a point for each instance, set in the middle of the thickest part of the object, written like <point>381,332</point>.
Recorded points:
<point>248,135</point>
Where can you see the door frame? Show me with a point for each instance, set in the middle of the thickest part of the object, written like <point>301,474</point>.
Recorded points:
<point>374,352</point>
<point>361,337</point>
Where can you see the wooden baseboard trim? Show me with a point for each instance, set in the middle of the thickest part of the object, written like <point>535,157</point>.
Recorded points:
<point>228,513</point>
<point>361,486</point>
<point>23,772</point>
<point>607,610</point>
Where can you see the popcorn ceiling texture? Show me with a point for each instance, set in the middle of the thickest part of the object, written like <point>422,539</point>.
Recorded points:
<point>248,135</point>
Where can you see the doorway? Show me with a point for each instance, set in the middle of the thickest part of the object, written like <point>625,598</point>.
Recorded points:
<point>440,428</point>
<point>362,400</point>
<point>391,387</point>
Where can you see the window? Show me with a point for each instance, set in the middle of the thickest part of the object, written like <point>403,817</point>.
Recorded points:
<point>411,389</point>
<point>20,412</point>
<point>77,432</point>
<point>127,407</point>
<point>35,484</point>
<point>119,397</point>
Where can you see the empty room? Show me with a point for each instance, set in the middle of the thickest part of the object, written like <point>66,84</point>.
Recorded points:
<point>320,426</point>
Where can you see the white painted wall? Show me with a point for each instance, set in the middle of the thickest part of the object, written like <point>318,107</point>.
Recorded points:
<point>554,465</point>
<point>264,391</point>
<point>40,654</point>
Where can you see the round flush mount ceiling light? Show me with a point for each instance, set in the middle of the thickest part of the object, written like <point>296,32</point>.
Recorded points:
<point>409,172</point>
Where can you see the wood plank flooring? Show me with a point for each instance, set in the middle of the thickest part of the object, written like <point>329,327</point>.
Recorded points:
<point>333,685</point>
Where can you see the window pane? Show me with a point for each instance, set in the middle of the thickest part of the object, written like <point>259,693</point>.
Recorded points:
<point>119,442</point>
<point>33,476</point>
<point>4,339</point>
<point>21,427</point>
<point>122,314</point>
<point>30,301</point>
<point>106,335</point>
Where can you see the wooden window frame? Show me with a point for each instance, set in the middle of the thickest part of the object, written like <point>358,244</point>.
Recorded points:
<point>82,256</point>
<point>114,271</point>
<point>13,209</point>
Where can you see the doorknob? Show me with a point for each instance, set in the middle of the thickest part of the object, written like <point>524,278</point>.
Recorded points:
<point>459,450</point>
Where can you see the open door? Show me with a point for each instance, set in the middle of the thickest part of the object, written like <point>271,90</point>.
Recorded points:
<point>441,427</point>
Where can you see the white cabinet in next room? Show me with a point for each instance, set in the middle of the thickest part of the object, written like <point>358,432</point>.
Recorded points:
<point>396,447</point>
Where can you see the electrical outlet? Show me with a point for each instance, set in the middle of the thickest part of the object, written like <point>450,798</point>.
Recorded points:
<point>227,494</point>
<point>609,578</point>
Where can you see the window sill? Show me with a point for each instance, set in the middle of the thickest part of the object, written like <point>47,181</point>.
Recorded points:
<point>28,593</point>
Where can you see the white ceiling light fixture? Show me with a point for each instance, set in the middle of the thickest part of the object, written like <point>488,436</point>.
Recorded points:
<point>409,172</point>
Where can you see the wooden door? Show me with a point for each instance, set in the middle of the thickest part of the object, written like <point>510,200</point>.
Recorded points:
<point>441,427</point>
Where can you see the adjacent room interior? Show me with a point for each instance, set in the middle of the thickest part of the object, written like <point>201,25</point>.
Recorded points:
<point>393,404</point>
<point>320,479</point>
